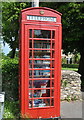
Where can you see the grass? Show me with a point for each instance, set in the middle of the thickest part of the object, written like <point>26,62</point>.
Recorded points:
<point>74,69</point>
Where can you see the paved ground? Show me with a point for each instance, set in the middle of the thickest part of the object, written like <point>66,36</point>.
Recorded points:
<point>73,109</point>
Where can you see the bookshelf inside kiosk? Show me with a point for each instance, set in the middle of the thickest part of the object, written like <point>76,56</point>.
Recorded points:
<point>41,65</point>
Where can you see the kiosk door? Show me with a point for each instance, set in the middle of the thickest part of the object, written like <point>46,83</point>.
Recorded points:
<point>41,82</point>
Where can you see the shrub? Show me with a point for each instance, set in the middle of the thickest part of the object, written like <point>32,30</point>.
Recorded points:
<point>70,65</point>
<point>11,110</point>
<point>64,60</point>
<point>10,78</point>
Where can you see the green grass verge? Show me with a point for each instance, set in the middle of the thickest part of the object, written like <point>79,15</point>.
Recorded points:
<point>74,69</point>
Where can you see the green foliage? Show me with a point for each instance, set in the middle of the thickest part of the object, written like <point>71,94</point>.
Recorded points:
<point>10,78</point>
<point>0,54</point>
<point>76,58</point>
<point>74,98</point>
<point>68,98</point>
<point>16,54</point>
<point>73,67</point>
<point>10,23</point>
<point>11,109</point>
<point>71,98</point>
<point>70,65</point>
<point>72,20</point>
<point>64,83</point>
<point>64,60</point>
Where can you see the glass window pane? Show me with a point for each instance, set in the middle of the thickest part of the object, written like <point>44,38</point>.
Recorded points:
<point>42,54</point>
<point>46,62</point>
<point>53,45</point>
<point>42,64</point>
<point>42,34</point>
<point>52,83</point>
<point>52,92</point>
<point>41,83</point>
<point>30,83</point>
<point>30,33</point>
<point>53,54</point>
<point>30,63</point>
<point>30,73</point>
<point>37,103</point>
<point>30,43</point>
<point>41,102</point>
<point>53,65</point>
<point>53,34</point>
<point>52,102</point>
<point>30,103</point>
<point>37,93</point>
<point>52,73</point>
<point>41,73</point>
<point>42,44</point>
<point>30,93</point>
<point>30,54</point>
<point>41,93</point>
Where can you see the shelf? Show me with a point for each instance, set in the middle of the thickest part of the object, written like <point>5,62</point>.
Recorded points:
<point>40,76</point>
<point>41,52</point>
<point>48,88</point>
<point>41,39</point>
<point>41,49</point>
<point>41,68</point>
<point>40,64</point>
<point>41,58</point>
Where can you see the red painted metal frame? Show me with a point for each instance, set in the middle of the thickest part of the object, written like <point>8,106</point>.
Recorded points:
<point>48,111</point>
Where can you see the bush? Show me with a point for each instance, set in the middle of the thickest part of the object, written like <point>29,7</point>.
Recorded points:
<point>64,60</point>
<point>11,110</point>
<point>70,65</point>
<point>10,78</point>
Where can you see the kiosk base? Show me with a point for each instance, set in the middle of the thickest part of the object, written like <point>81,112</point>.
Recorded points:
<point>56,118</point>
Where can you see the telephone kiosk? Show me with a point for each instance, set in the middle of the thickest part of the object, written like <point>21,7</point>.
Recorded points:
<point>40,63</point>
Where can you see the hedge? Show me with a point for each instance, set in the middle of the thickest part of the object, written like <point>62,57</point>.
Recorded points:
<point>10,78</point>
<point>70,65</point>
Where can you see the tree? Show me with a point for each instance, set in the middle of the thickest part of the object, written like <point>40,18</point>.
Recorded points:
<point>73,35</point>
<point>10,26</point>
<point>72,19</point>
<point>16,54</point>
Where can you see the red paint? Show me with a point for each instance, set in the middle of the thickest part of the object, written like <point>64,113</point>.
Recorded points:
<point>31,107</point>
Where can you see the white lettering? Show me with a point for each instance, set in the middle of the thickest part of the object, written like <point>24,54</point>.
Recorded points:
<point>41,18</point>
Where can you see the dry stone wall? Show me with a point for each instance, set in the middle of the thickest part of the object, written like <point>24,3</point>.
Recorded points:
<point>70,85</point>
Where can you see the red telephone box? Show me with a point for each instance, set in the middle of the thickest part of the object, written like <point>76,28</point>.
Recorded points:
<point>40,62</point>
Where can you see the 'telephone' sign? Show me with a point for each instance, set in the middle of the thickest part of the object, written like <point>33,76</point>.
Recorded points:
<point>41,18</point>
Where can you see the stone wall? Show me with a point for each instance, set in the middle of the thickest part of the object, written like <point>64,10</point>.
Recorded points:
<point>70,85</point>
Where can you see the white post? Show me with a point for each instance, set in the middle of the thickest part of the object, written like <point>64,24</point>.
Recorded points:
<point>35,3</point>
